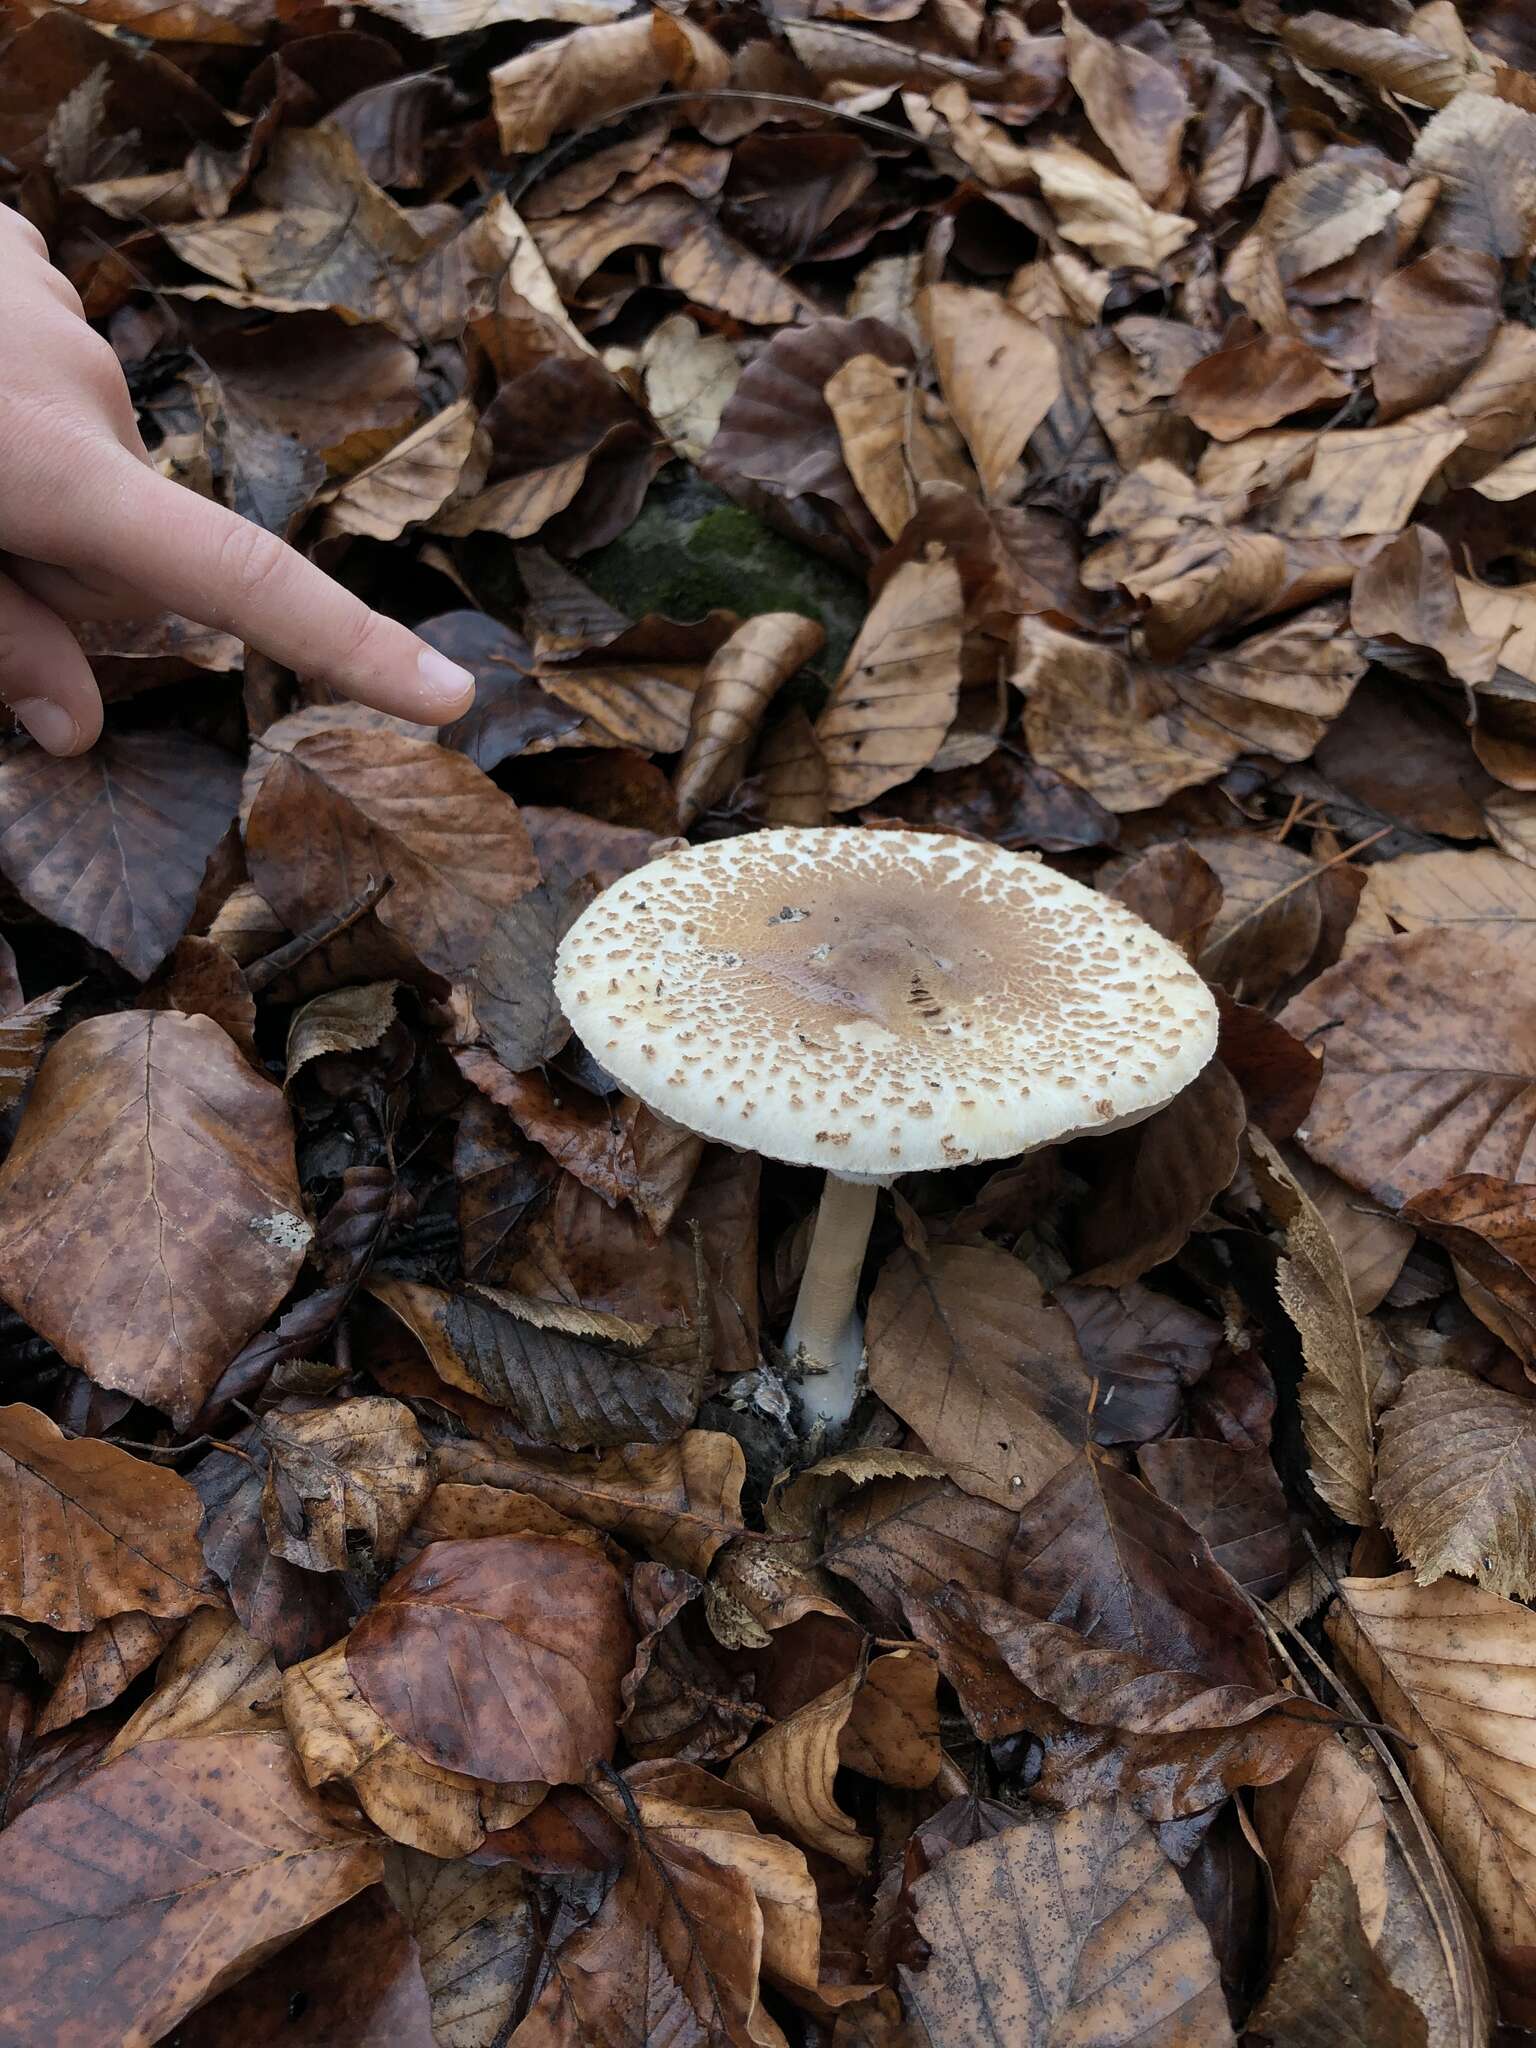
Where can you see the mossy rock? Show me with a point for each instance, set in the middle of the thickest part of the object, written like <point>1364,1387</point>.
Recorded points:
<point>692,549</point>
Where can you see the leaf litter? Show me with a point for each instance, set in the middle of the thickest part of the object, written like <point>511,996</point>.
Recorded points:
<point>1104,431</point>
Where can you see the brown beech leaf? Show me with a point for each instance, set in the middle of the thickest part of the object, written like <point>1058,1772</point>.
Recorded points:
<point>1276,1072</point>
<point>792,1767</point>
<point>890,443</point>
<point>1138,106</point>
<point>623,1152</point>
<point>90,1531</point>
<point>292,1611</point>
<point>1454,1478</point>
<point>102,1664</point>
<point>1353,480</point>
<point>477,1937</point>
<point>893,1732</point>
<point>778,433</point>
<point>1486,1226</point>
<point>896,697</point>
<point>202,980</point>
<point>511,984</point>
<point>112,844</point>
<point>1434,318</point>
<point>409,482</point>
<point>1256,383</point>
<point>703,1907</point>
<point>1407,595</point>
<point>500,1658</point>
<point>339,1737</point>
<point>680,1502</point>
<point>1372,1244</point>
<point>689,378</point>
<point>1333,1978</point>
<point>510,712</point>
<point>1069,1927</point>
<point>897,1536</point>
<point>1134,734</point>
<point>1328,1810</point>
<point>964,1350</point>
<point>359,804</point>
<point>1233,1496</point>
<point>593,71</point>
<point>1480,892</point>
<point>148,1136</point>
<point>1141,1349</point>
<point>728,708</point>
<point>1342,1353</point>
<point>1483,151</point>
<point>22,1035</point>
<point>1426,1067</point>
<point>213,1680</point>
<point>1276,912</point>
<point>562,1380</point>
<point>354,1976</point>
<point>1099,1550</point>
<point>1405,756</point>
<point>1174,890</point>
<point>1449,1667</point>
<point>135,1894</point>
<point>998,371</point>
<point>1103,213</point>
<point>352,1473</point>
<point>1153,1182</point>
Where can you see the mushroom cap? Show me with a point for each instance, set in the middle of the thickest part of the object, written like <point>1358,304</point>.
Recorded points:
<point>878,1002</point>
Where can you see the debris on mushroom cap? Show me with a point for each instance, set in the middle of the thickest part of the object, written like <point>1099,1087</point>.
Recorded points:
<point>880,1002</point>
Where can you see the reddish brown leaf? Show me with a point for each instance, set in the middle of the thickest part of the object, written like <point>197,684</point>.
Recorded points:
<point>149,1138</point>
<point>127,1900</point>
<point>500,1658</point>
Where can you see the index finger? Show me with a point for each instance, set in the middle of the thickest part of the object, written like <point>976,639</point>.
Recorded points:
<point>192,556</point>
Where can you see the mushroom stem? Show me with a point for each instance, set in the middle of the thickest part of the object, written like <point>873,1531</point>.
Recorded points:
<point>826,1332</point>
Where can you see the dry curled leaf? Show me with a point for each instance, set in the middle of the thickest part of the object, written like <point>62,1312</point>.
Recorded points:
<point>998,371</point>
<point>350,1475</point>
<point>1454,1478</point>
<point>728,708</point>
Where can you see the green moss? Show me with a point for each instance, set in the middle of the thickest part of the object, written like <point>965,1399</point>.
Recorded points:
<point>692,550</point>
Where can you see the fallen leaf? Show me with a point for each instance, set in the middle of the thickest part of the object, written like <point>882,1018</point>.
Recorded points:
<point>409,482</point>
<point>213,1680</point>
<point>1334,1977</point>
<point>1133,733</point>
<point>352,1474</point>
<point>1483,151</point>
<point>731,701</point>
<point>149,1134</point>
<point>991,1380</point>
<point>91,1531</point>
<point>339,1737</point>
<point>1140,1350</point>
<point>1454,1474</point>
<point>201,1852</point>
<point>1153,1182</point>
<point>998,371</point>
<point>1434,318</point>
<point>1353,480</point>
<point>102,1664</point>
<point>511,984</point>
<point>1137,1965</point>
<point>1138,106</point>
<point>1233,1497</point>
<point>1482,893</point>
<point>792,1767</point>
<point>595,70</point>
<point>112,844</point>
<point>343,1020</point>
<point>689,378</point>
<point>499,1658</point>
<point>1407,595</point>
<point>23,1034</point>
<point>1105,214</point>
<point>898,690</point>
<point>680,1502</point>
<point>477,1936</point>
<point>1445,1666</point>
<point>1253,384</point>
<point>623,1152</point>
<point>1425,1074</point>
<point>1341,1353</point>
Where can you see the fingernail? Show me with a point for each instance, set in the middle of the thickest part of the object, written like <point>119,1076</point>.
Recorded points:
<point>49,724</point>
<point>447,685</point>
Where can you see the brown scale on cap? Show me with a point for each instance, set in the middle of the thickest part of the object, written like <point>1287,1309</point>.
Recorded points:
<point>894,1000</point>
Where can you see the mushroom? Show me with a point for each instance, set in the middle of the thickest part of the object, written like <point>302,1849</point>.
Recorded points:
<point>876,1003</point>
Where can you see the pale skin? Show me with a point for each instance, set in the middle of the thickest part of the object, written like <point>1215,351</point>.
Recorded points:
<point>90,530</point>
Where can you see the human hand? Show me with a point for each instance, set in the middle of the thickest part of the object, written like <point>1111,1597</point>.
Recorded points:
<point>90,530</point>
